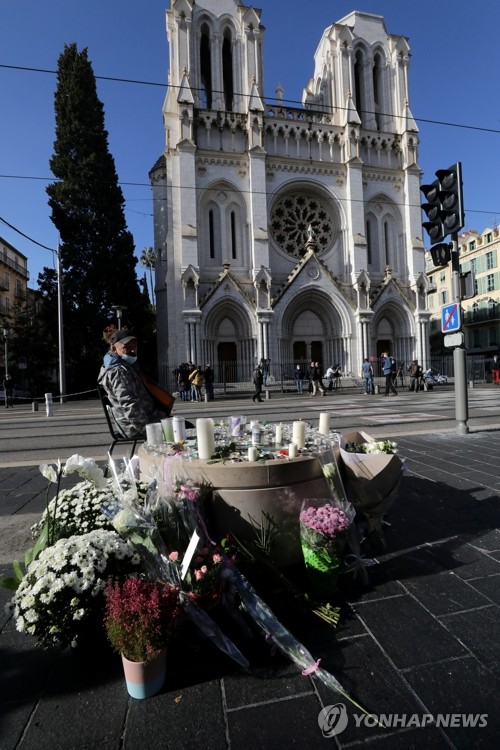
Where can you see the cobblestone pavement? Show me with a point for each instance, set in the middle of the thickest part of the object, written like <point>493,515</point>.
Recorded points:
<point>423,638</point>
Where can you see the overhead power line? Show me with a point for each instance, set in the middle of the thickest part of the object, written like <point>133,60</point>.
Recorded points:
<point>321,108</point>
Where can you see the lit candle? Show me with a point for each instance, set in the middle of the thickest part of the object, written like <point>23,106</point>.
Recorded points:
<point>292,450</point>
<point>168,429</point>
<point>299,434</point>
<point>279,434</point>
<point>324,423</point>
<point>205,438</point>
<point>252,453</point>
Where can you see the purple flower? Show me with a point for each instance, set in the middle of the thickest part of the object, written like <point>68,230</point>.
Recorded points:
<point>326,520</point>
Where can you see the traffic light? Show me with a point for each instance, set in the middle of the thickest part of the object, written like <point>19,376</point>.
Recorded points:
<point>450,195</point>
<point>444,206</point>
<point>441,254</point>
<point>432,209</point>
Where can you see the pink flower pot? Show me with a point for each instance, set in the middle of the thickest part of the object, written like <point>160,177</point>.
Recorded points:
<point>145,679</point>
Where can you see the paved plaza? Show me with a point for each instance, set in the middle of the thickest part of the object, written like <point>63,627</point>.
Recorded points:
<point>420,643</point>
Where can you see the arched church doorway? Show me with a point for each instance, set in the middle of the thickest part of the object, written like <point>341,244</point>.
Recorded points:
<point>227,362</point>
<point>299,351</point>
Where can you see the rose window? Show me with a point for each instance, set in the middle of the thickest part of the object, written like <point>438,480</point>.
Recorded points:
<point>292,219</point>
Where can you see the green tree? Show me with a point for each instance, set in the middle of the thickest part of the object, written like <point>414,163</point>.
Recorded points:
<point>148,260</point>
<point>87,204</point>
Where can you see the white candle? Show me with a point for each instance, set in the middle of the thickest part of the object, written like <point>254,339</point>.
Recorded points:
<point>299,434</point>
<point>279,434</point>
<point>324,423</point>
<point>168,429</point>
<point>252,453</point>
<point>205,438</point>
<point>154,434</point>
<point>179,425</point>
<point>292,450</point>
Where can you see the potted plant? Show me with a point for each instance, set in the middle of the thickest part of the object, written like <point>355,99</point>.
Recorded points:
<point>139,619</point>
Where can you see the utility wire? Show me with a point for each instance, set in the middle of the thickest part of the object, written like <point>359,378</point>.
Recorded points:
<point>321,108</point>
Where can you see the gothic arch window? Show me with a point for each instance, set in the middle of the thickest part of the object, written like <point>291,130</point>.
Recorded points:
<point>358,84</point>
<point>227,70</point>
<point>378,90</point>
<point>388,245</point>
<point>205,68</point>
<point>372,239</point>
<point>233,236</point>
<point>211,233</point>
<point>383,227</point>
<point>222,227</point>
<point>369,253</point>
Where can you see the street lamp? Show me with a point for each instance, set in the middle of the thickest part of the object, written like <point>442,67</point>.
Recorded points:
<point>6,332</point>
<point>119,310</point>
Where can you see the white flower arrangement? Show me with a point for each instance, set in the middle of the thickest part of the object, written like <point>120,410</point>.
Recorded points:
<point>77,510</point>
<point>63,587</point>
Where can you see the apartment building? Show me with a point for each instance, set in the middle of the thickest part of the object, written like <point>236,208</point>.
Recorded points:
<point>479,253</point>
<point>13,280</point>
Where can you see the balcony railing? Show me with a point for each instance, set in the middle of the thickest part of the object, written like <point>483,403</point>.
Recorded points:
<point>4,258</point>
<point>483,315</point>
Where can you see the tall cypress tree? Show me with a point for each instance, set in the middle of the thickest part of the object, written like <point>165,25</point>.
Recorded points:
<point>96,249</point>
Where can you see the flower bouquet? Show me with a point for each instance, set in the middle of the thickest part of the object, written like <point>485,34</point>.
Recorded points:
<point>321,523</point>
<point>372,472</point>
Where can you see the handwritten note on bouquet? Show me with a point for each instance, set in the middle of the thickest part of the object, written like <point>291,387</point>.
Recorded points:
<point>188,556</point>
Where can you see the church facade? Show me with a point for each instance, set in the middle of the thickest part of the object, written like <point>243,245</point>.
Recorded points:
<point>286,233</point>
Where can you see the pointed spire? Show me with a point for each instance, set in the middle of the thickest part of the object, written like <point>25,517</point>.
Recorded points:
<point>409,122</point>
<point>185,96</point>
<point>351,113</point>
<point>255,102</point>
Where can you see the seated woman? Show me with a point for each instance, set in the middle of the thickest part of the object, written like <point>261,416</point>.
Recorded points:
<point>132,402</point>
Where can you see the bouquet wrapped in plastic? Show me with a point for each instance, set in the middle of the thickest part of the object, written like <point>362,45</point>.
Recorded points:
<point>321,523</point>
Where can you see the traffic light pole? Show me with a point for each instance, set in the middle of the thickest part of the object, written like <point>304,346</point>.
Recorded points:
<point>459,352</point>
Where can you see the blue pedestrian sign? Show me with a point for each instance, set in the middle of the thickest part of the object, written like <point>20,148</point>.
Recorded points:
<point>450,318</point>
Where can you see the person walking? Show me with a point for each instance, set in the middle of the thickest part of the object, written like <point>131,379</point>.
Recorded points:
<point>367,375</point>
<point>299,377</point>
<point>387,368</point>
<point>8,391</point>
<point>257,381</point>
<point>316,380</point>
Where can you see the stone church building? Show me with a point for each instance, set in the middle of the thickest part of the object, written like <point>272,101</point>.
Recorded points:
<point>288,233</point>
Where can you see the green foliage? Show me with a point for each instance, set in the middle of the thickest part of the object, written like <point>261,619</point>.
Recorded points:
<point>87,204</point>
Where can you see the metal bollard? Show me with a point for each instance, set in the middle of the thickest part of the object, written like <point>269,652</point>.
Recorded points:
<point>49,405</point>
<point>34,406</point>
<point>268,394</point>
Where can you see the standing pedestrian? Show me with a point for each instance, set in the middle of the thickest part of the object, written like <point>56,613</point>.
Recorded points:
<point>495,370</point>
<point>388,365</point>
<point>209,383</point>
<point>8,391</point>
<point>257,381</point>
<point>367,375</point>
<point>299,377</point>
<point>330,375</point>
<point>416,373</point>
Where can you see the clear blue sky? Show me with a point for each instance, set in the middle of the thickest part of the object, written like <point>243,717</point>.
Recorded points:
<point>453,79</point>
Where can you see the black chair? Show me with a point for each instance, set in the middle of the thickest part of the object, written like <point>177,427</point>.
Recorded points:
<point>117,436</point>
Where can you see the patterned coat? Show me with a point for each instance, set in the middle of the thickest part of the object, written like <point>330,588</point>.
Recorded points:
<point>132,406</point>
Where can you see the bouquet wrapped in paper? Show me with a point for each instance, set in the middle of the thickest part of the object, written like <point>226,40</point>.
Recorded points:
<point>372,472</point>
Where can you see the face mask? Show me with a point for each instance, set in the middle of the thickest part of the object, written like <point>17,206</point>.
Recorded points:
<point>128,359</point>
